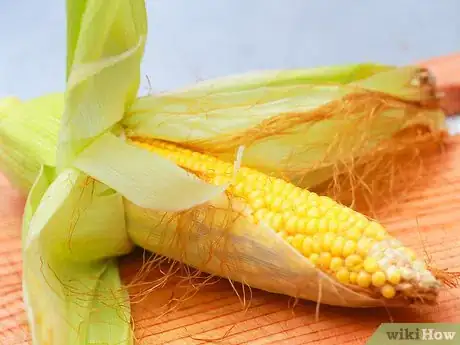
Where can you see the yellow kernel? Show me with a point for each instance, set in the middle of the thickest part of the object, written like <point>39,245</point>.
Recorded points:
<point>291,224</point>
<point>301,206</point>
<point>322,225</point>
<point>333,225</point>
<point>324,260</point>
<point>260,214</point>
<point>388,291</point>
<point>372,229</point>
<point>349,248</point>
<point>301,225</point>
<point>363,279</point>
<point>276,221</point>
<point>297,241</point>
<point>323,209</point>
<point>351,220</point>
<point>288,189</point>
<point>287,205</point>
<point>248,187</point>
<point>307,246</point>
<point>378,279</point>
<point>337,246</point>
<point>316,245</point>
<point>269,199</point>
<point>288,215</point>
<point>257,203</point>
<point>354,234</point>
<point>259,185</point>
<point>361,223</point>
<point>344,214</point>
<point>268,217</point>
<point>353,277</point>
<point>313,212</point>
<point>278,185</point>
<point>370,265</point>
<point>343,275</point>
<point>394,275</point>
<point>314,258</point>
<point>312,226</point>
<point>276,204</point>
<point>326,201</point>
<point>295,193</point>
<point>363,246</point>
<point>353,260</point>
<point>333,212</point>
<point>255,194</point>
<point>328,240</point>
<point>336,263</point>
<point>312,197</point>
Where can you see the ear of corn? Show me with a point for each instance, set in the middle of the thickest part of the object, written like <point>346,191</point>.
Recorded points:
<point>272,235</point>
<point>307,121</point>
<point>28,137</point>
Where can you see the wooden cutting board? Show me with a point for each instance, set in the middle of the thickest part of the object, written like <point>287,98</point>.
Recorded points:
<point>427,219</point>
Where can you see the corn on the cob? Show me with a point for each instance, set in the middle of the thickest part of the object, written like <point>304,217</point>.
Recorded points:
<point>349,247</point>
<point>283,239</point>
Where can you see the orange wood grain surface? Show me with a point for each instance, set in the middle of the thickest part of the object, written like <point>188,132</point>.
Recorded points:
<point>427,219</point>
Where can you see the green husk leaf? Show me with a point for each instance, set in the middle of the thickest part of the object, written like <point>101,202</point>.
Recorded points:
<point>142,177</point>
<point>28,138</point>
<point>7,103</point>
<point>104,54</point>
<point>338,74</point>
<point>73,293</point>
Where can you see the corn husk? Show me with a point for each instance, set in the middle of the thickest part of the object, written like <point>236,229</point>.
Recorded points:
<point>98,194</point>
<point>74,227</point>
<point>313,122</point>
<point>28,137</point>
